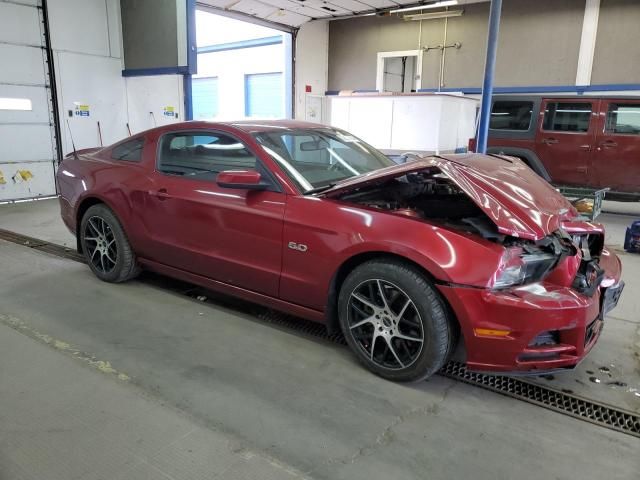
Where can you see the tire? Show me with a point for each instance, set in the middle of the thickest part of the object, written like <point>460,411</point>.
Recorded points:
<point>413,339</point>
<point>106,247</point>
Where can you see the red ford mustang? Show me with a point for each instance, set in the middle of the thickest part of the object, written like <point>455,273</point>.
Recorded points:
<point>407,260</point>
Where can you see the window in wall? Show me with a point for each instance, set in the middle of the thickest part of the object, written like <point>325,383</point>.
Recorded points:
<point>15,104</point>
<point>204,93</point>
<point>511,115</point>
<point>567,117</point>
<point>623,118</point>
<point>202,153</point>
<point>263,95</point>
<point>130,151</point>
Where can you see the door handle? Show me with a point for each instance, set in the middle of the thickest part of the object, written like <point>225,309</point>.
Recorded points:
<point>581,169</point>
<point>585,147</point>
<point>609,144</point>
<point>549,141</point>
<point>160,194</point>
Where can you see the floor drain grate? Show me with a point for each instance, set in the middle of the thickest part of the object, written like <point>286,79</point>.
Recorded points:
<point>517,388</point>
<point>41,245</point>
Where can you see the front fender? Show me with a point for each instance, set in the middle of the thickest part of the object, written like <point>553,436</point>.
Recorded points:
<point>333,233</point>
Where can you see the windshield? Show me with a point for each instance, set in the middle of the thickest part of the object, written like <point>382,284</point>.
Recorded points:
<point>319,157</point>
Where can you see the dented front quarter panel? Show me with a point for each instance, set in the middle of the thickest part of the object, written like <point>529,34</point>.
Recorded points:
<point>336,231</point>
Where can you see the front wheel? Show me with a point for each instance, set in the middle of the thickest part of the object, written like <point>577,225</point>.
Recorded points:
<point>106,246</point>
<point>395,321</point>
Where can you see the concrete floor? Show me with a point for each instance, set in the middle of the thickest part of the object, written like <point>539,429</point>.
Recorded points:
<point>135,381</point>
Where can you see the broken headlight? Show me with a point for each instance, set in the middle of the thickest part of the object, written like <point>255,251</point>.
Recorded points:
<point>518,267</point>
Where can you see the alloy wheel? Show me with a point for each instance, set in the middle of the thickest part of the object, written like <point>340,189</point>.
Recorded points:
<point>100,244</point>
<point>385,323</point>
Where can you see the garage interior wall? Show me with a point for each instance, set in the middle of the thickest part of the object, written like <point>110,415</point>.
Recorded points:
<point>88,63</point>
<point>548,57</point>
<point>617,52</point>
<point>311,63</point>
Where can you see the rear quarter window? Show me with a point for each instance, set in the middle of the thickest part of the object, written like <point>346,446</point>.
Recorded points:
<point>567,117</point>
<point>130,151</point>
<point>511,115</point>
<point>623,119</point>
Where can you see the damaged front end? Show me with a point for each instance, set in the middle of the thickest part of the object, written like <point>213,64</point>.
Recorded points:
<point>431,196</point>
<point>543,307</point>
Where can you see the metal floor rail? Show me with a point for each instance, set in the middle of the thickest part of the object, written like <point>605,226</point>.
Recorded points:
<point>518,388</point>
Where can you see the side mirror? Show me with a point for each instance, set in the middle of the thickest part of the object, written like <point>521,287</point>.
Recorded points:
<point>241,179</point>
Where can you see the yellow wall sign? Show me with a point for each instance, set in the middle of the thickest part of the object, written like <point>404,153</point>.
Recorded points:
<point>81,110</point>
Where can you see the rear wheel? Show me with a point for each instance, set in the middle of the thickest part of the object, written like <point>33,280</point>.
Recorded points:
<point>106,246</point>
<point>395,321</point>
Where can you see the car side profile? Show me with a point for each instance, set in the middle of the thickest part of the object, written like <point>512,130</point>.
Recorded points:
<point>408,261</point>
<point>583,141</point>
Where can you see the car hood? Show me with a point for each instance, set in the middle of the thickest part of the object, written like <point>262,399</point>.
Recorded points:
<point>513,196</point>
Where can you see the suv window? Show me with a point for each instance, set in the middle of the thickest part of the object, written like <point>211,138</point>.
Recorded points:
<point>130,151</point>
<point>567,117</point>
<point>623,118</point>
<point>511,115</point>
<point>190,153</point>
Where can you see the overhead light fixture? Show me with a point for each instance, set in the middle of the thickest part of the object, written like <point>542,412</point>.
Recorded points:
<point>445,3</point>
<point>434,15</point>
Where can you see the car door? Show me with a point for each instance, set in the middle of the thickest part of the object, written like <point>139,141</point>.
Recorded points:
<point>565,139</point>
<point>617,154</point>
<point>228,234</point>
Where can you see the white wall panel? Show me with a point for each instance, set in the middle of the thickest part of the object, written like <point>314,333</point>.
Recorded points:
<point>154,94</point>
<point>422,123</point>
<point>114,21</point>
<point>312,63</point>
<point>26,180</point>
<point>19,24</point>
<point>416,125</point>
<point>96,82</point>
<point>22,143</point>
<point>79,26</point>
<point>26,136</point>
<point>26,65</point>
<point>372,120</point>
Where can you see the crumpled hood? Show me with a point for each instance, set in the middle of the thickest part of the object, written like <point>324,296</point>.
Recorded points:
<point>513,196</point>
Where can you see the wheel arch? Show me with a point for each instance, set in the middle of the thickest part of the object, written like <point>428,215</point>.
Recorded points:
<point>353,262</point>
<point>84,205</point>
<point>527,156</point>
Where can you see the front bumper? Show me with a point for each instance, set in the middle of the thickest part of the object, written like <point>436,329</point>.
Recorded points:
<point>528,313</point>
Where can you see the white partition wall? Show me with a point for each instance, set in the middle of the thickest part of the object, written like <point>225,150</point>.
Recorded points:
<point>423,123</point>
<point>153,101</point>
<point>88,63</point>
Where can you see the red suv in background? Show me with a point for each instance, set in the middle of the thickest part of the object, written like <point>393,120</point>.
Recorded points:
<point>572,140</point>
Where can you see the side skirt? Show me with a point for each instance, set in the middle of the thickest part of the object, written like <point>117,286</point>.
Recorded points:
<point>232,290</point>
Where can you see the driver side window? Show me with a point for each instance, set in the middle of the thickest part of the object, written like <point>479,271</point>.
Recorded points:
<point>201,153</point>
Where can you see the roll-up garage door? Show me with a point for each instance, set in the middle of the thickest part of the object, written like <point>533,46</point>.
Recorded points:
<point>204,92</point>
<point>28,143</point>
<point>264,95</point>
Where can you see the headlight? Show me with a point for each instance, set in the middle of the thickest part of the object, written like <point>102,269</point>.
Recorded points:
<point>518,267</point>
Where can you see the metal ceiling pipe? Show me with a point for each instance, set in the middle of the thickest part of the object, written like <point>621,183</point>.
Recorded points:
<point>489,70</point>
